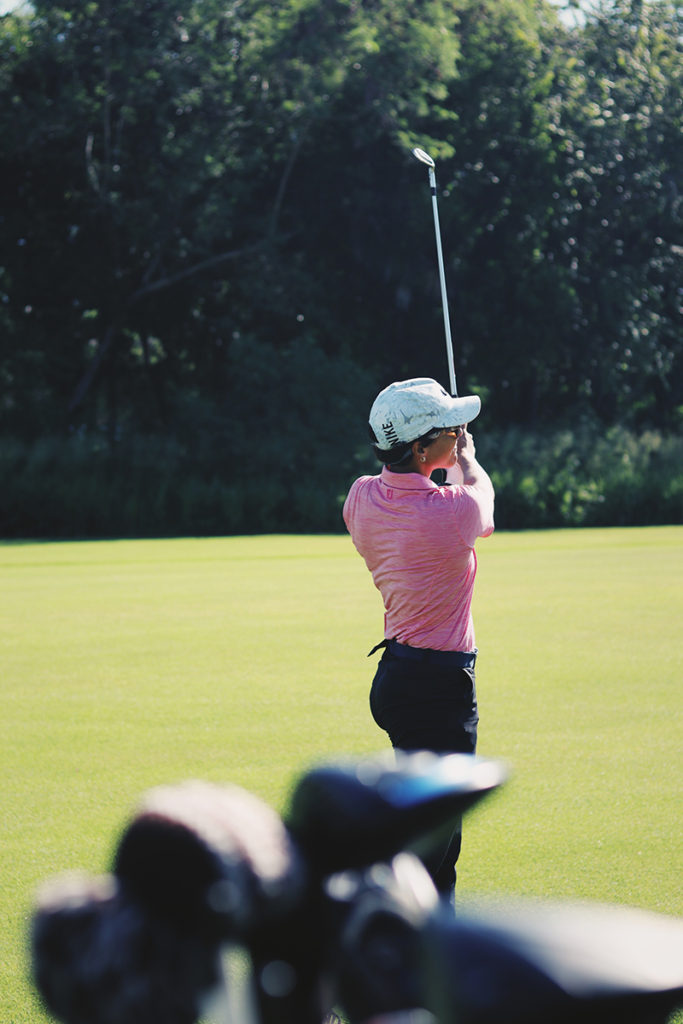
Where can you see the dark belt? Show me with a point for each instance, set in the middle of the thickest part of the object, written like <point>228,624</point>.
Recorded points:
<point>459,659</point>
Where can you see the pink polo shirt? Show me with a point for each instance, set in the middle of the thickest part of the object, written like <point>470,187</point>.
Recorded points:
<point>417,539</point>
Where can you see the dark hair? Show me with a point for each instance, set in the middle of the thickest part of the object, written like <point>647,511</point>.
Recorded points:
<point>402,451</point>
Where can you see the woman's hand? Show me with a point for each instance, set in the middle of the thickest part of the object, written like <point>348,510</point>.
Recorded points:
<point>466,453</point>
<point>464,446</point>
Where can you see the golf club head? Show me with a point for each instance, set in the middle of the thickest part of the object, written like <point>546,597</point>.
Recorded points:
<point>352,814</point>
<point>99,958</point>
<point>423,157</point>
<point>215,860</point>
<point>382,910</point>
<point>529,962</point>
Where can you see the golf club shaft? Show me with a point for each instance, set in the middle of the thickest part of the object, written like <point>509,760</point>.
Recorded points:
<point>442,279</point>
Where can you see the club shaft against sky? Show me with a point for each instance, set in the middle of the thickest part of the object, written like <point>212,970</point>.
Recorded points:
<point>442,279</point>
<point>420,154</point>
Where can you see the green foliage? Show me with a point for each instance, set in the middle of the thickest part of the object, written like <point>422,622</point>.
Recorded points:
<point>217,484</point>
<point>186,183</point>
<point>580,477</point>
<point>275,457</point>
<point>566,211</point>
<point>620,126</point>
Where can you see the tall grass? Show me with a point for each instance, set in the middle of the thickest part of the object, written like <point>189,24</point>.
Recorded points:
<point>130,663</point>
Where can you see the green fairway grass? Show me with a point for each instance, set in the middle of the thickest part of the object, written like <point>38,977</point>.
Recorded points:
<point>132,663</point>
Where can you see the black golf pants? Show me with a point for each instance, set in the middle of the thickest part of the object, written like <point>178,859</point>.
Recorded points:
<point>423,706</point>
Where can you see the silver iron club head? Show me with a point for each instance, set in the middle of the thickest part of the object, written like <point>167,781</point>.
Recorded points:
<point>423,157</point>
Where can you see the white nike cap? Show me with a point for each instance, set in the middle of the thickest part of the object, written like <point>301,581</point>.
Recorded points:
<point>408,409</point>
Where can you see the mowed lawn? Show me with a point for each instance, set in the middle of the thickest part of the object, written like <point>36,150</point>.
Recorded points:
<point>132,663</point>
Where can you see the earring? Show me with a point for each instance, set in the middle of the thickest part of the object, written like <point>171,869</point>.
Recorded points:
<point>423,458</point>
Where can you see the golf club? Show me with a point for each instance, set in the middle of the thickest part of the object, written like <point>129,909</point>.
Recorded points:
<point>425,158</point>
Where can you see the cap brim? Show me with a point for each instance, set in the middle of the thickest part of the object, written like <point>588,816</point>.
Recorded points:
<point>464,409</point>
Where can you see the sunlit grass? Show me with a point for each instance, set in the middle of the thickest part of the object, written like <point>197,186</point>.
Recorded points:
<point>126,664</point>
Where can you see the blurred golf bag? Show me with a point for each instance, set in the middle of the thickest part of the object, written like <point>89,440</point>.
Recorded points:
<point>331,907</point>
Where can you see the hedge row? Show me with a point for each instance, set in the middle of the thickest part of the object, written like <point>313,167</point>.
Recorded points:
<point>585,477</point>
<point>81,487</point>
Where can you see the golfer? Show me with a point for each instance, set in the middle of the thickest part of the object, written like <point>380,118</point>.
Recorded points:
<point>417,539</point>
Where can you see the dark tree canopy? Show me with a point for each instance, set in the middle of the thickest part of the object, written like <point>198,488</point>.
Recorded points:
<point>211,219</point>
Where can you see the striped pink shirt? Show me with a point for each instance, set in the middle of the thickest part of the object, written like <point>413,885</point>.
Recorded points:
<point>417,539</point>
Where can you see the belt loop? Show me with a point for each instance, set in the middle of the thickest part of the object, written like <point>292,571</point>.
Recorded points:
<point>377,647</point>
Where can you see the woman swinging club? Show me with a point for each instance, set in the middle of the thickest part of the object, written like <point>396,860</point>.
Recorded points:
<point>417,539</point>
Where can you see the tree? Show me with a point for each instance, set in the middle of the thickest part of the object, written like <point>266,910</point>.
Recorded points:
<point>621,122</point>
<point>187,175</point>
<point>153,147</point>
<point>561,214</point>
